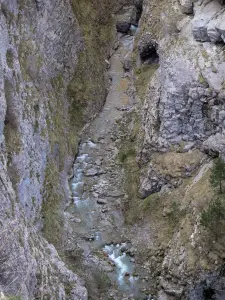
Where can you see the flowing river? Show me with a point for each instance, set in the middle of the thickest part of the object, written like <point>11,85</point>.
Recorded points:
<point>96,186</point>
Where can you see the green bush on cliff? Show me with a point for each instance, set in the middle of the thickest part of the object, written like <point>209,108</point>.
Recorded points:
<point>218,175</point>
<point>213,218</point>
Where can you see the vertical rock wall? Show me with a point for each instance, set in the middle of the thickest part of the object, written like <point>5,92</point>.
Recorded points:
<point>52,82</point>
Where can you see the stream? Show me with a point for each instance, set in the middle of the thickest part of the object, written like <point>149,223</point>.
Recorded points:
<point>96,185</point>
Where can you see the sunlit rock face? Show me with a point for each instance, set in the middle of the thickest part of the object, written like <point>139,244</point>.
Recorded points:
<point>42,44</point>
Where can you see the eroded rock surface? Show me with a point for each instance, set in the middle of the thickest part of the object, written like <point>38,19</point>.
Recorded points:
<point>142,170</point>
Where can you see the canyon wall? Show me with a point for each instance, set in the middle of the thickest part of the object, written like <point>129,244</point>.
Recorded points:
<point>180,80</point>
<point>54,58</point>
<point>52,82</point>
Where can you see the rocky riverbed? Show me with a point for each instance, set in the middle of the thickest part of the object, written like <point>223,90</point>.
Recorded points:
<point>97,189</point>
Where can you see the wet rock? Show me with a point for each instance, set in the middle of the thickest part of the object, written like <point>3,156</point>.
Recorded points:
<point>123,27</point>
<point>131,252</point>
<point>124,247</point>
<point>126,17</point>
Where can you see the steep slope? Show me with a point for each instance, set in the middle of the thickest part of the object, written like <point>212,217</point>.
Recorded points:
<point>180,79</point>
<point>146,158</point>
<point>47,95</point>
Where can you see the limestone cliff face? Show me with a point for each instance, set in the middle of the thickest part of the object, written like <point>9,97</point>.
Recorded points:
<point>52,67</point>
<point>182,120</point>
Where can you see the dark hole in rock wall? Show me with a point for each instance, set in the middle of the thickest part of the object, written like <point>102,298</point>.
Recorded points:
<point>208,293</point>
<point>147,48</point>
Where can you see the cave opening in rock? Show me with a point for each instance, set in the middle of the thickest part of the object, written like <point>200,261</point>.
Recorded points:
<point>208,293</point>
<point>149,54</point>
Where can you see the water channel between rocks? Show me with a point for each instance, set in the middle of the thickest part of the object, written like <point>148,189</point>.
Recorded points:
<point>96,185</point>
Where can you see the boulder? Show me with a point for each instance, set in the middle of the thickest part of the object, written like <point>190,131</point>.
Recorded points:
<point>215,145</point>
<point>126,17</point>
<point>171,289</point>
<point>208,23</point>
<point>128,62</point>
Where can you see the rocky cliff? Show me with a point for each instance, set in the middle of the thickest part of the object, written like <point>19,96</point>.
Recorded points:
<point>52,82</point>
<point>180,49</point>
<point>155,151</point>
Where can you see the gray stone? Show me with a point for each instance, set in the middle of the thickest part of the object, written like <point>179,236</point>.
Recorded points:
<point>208,23</point>
<point>91,172</point>
<point>125,17</point>
<point>186,6</point>
<point>215,145</point>
<point>102,201</point>
<point>171,289</point>
<point>98,162</point>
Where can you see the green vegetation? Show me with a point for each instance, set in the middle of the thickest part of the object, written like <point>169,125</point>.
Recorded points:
<point>86,92</point>
<point>143,77</point>
<point>218,175</point>
<point>52,207</point>
<point>9,58</point>
<point>202,79</point>
<point>223,85</point>
<point>124,154</point>
<point>30,59</point>
<point>88,84</point>
<point>102,280</point>
<point>205,55</point>
<point>14,298</point>
<point>127,157</point>
<point>213,218</point>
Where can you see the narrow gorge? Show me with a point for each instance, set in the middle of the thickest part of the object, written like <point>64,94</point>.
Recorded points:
<point>112,134</point>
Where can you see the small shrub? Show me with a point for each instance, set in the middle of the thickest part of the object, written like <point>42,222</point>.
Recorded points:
<point>213,218</point>
<point>218,175</point>
<point>124,154</point>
